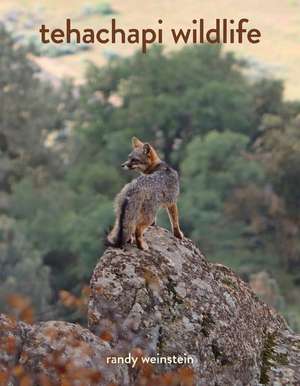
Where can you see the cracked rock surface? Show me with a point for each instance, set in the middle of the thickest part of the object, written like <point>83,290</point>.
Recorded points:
<point>53,353</point>
<point>171,300</point>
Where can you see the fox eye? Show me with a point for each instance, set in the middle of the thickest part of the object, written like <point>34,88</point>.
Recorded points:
<point>134,160</point>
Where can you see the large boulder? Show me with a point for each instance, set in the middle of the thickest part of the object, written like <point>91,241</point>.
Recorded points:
<point>166,302</point>
<point>54,353</point>
<point>171,301</point>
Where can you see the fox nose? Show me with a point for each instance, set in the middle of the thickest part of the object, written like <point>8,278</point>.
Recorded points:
<point>125,165</point>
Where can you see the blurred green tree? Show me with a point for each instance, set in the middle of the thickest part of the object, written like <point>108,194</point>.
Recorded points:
<point>22,270</point>
<point>167,98</point>
<point>30,108</point>
<point>213,167</point>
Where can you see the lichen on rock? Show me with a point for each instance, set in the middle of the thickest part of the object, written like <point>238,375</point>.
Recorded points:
<point>53,353</point>
<point>164,302</point>
<point>171,300</point>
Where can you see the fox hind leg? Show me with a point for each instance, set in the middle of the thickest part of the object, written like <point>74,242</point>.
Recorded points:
<point>173,216</point>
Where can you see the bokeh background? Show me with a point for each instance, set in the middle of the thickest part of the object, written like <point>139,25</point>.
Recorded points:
<point>228,118</point>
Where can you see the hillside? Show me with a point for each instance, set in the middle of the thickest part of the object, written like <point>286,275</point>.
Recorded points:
<point>278,54</point>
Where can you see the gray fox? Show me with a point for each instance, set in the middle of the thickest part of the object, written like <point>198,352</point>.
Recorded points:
<point>138,202</point>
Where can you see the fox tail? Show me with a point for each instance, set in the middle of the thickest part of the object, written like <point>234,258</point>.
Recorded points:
<point>116,237</point>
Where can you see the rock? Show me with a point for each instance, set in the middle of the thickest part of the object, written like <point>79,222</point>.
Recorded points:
<point>11,341</point>
<point>50,353</point>
<point>282,362</point>
<point>170,300</point>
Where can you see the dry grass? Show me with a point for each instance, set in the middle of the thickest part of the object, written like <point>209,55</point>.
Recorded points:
<point>278,20</point>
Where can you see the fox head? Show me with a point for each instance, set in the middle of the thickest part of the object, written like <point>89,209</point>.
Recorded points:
<point>143,157</point>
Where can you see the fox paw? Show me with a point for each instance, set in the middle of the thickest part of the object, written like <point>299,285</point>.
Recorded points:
<point>131,240</point>
<point>142,245</point>
<point>178,234</point>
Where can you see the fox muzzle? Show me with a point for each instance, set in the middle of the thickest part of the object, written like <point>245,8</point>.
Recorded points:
<point>126,165</point>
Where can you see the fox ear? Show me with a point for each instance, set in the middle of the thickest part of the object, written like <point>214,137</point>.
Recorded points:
<point>146,148</point>
<point>136,142</point>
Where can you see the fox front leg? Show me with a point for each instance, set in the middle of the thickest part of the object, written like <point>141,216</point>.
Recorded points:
<point>131,239</point>
<point>154,222</point>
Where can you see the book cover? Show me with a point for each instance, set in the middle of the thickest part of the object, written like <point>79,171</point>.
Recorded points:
<point>149,193</point>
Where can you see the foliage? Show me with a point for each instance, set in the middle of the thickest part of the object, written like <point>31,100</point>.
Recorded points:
<point>29,110</point>
<point>214,165</point>
<point>168,98</point>
<point>52,50</point>
<point>284,167</point>
<point>21,263</point>
<point>101,8</point>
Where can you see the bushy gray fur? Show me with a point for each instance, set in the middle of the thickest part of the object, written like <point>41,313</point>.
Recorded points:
<point>140,200</point>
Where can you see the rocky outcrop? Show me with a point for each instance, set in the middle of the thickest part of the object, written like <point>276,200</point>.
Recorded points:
<point>53,353</point>
<point>11,342</point>
<point>281,359</point>
<point>170,300</point>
